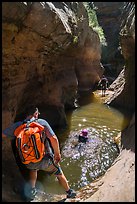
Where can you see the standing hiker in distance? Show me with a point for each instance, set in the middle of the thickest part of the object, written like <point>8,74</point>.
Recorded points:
<point>103,83</point>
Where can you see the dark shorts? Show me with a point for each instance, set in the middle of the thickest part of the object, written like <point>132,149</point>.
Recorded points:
<point>83,139</point>
<point>47,165</point>
<point>103,87</point>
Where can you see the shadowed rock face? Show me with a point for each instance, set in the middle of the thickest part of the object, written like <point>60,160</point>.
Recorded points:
<point>124,85</point>
<point>126,98</point>
<point>109,18</point>
<point>49,52</point>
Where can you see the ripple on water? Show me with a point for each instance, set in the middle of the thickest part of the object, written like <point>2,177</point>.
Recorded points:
<point>92,158</point>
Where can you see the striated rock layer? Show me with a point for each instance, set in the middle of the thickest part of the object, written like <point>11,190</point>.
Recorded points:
<point>49,52</point>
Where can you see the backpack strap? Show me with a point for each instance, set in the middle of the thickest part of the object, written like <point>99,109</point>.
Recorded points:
<point>37,154</point>
<point>27,122</point>
<point>19,148</point>
<point>49,149</point>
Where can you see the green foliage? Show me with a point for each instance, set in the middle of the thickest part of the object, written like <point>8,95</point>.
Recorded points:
<point>75,39</point>
<point>93,22</point>
<point>100,32</point>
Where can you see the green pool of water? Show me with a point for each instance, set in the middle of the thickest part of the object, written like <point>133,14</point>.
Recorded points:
<point>83,163</point>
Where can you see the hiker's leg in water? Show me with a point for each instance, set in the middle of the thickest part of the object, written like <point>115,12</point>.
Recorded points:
<point>63,181</point>
<point>102,91</point>
<point>33,178</point>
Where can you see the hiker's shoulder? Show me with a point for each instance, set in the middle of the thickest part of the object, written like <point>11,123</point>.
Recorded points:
<point>42,122</point>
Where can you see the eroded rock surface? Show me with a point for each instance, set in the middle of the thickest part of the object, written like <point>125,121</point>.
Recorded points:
<point>125,97</point>
<point>114,187</point>
<point>26,48</point>
<point>110,17</point>
<point>49,52</point>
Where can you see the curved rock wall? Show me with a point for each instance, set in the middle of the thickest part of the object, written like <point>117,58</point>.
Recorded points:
<point>49,52</point>
<point>46,58</point>
<point>126,98</point>
<point>114,184</point>
<point>109,16</point>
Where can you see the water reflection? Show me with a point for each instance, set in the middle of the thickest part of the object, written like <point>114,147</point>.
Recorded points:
<point>92,159</point>
<point>84,163</point>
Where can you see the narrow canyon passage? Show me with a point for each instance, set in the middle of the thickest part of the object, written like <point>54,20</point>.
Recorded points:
<point>52,51</point>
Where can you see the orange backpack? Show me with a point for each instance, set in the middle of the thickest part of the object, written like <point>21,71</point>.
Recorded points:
<point>29,142</point>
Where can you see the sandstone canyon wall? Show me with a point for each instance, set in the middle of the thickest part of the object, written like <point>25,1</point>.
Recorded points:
<point>118,184</point>
<point>126,98</point>
<point>48,53</point>
<point>110,17</point>
<point>124,94</point>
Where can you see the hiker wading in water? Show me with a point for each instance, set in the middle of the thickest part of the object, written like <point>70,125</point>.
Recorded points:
<point>40,152</point>
<point>83,136</point>
<point>103,83</point>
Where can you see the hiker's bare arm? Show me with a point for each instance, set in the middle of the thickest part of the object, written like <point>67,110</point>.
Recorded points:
<point>99,83</point>
<point>55,145</point>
